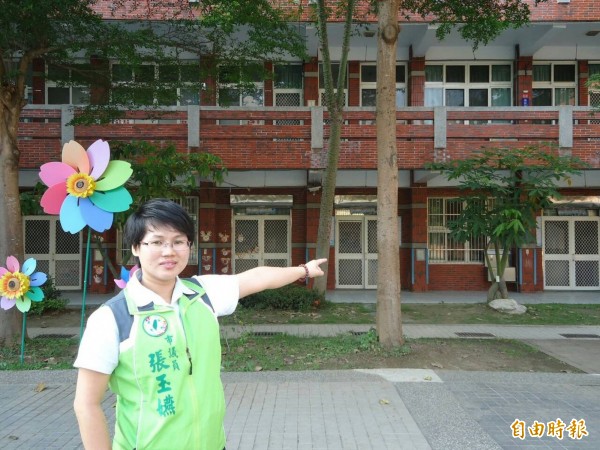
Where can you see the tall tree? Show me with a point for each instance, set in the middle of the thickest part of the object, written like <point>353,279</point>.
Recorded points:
<point>65,33</point>
<point>478,22</point>
<point>335,101</point>
<point>503,190</point>
<point>388,315</point>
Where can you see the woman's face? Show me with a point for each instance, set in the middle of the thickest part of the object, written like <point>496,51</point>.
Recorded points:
<point>163,254</point>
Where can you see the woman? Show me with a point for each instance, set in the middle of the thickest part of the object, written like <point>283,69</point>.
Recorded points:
<point>157,343</point>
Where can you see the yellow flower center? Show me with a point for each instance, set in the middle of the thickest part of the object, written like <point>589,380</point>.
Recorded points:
<point>81,185</point>
<point>14,285</point>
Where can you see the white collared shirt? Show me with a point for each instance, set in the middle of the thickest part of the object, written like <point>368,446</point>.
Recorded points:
<point>99,347</point>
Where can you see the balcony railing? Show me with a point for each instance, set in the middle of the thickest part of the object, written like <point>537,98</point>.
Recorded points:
<point>296,138</point>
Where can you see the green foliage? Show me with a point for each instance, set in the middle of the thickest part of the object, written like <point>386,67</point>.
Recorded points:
<point>67,34</point>
<point>53,300</point>
<point>479,22</point>
<point>40,353</point>
<point>162,171</point>
<point>369,340</point>
<point>292,297</point>
<point>30,200</point>
<point>503,189</point>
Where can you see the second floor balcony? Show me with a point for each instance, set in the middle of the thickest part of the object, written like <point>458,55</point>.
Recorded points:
<point>297,137</point>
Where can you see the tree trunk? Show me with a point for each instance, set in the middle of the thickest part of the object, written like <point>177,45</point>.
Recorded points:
<point>389,318</point>
<point>335,101</point>
<point>11,234</point>
<point>328,194</point>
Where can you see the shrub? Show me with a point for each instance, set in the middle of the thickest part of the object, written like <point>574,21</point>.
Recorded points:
<point>292,297</point>
<point>53,300</point>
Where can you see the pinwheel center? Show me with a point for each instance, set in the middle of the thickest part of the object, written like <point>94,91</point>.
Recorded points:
<point>81,185</point>
<point>14,285</point>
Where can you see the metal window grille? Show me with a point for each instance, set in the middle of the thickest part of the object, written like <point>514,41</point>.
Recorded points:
<point>288,97</point>
<point>594,102</point>
<point>57,252</point>
<point>571,253</point>
<point>261,240</point>
<point>442,247</point>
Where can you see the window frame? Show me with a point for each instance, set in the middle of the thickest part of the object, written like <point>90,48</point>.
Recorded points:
<point>289,90</point>
<point>156,78</point>
<point>469,85</point>
<point>52,84</point>
<point>322,89</point>
<point>372,85</point>
<point>467,250</point>
<point>554,85</point>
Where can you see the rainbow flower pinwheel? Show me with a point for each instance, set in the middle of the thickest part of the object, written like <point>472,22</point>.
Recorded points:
<point>86,188</point>
<point>20,288</point>
<point>125,276</point>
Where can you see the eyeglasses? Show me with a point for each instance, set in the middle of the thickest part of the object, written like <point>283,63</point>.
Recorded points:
<point>178,245</point>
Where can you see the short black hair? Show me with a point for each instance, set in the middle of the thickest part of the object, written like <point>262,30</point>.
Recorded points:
<point>158,212</point>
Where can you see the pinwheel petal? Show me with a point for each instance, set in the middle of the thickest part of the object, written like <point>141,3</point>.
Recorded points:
<point>23,304</point>
<point>28,266</point>
<point>124,274</point>
<point>96,218</point>
<point>99,156</point>
<point>12,264</point>
<point>115,175</point>
<point>120,284</point>
<point>55,172</point>
<point>70,216</point>
<point>3,270</point>
<point>35,294</point>
<point>53,198</point>
<point>7,303</point>
<point>115,200</point>
<point>37,279</point>
<point>75,156</point>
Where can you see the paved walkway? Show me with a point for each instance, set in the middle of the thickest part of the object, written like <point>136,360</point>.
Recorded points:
<point>376,409</point>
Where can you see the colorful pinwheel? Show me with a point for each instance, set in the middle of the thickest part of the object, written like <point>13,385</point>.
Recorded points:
<point>86,188</point>
<point>20,288</point>
<point>125,276</point>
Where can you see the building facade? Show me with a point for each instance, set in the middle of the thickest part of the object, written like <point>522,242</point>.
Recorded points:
<point>528,86</point>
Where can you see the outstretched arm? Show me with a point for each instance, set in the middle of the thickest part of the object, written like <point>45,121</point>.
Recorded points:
<point>261,278</point>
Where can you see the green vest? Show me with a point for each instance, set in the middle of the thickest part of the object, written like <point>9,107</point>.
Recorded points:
<point>168,382</point>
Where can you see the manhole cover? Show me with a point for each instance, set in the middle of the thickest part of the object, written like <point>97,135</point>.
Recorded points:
<point>582,335</point>
<point>474,335</point>
<point>267,333</point>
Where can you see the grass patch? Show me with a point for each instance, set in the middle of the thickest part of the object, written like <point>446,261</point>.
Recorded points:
<point>284,352</point>
<point>326,313</point>
<point>444,313</point>
<point>40,353</point>
<point>251,353</point>
<point>542,314</point>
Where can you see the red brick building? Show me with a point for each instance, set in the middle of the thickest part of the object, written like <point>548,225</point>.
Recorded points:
<point>527,86</point>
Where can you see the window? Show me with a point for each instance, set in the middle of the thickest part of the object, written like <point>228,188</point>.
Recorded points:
<point>368,85</point>
<point>241,88</point>
<point>468,85</point>
<point>288,85</point>
<point>554,84</point>
<point>442,248</point>
<point>594,91</point>
<point>335,70</point>
<point>167,85</point>
<point>68,86</point>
